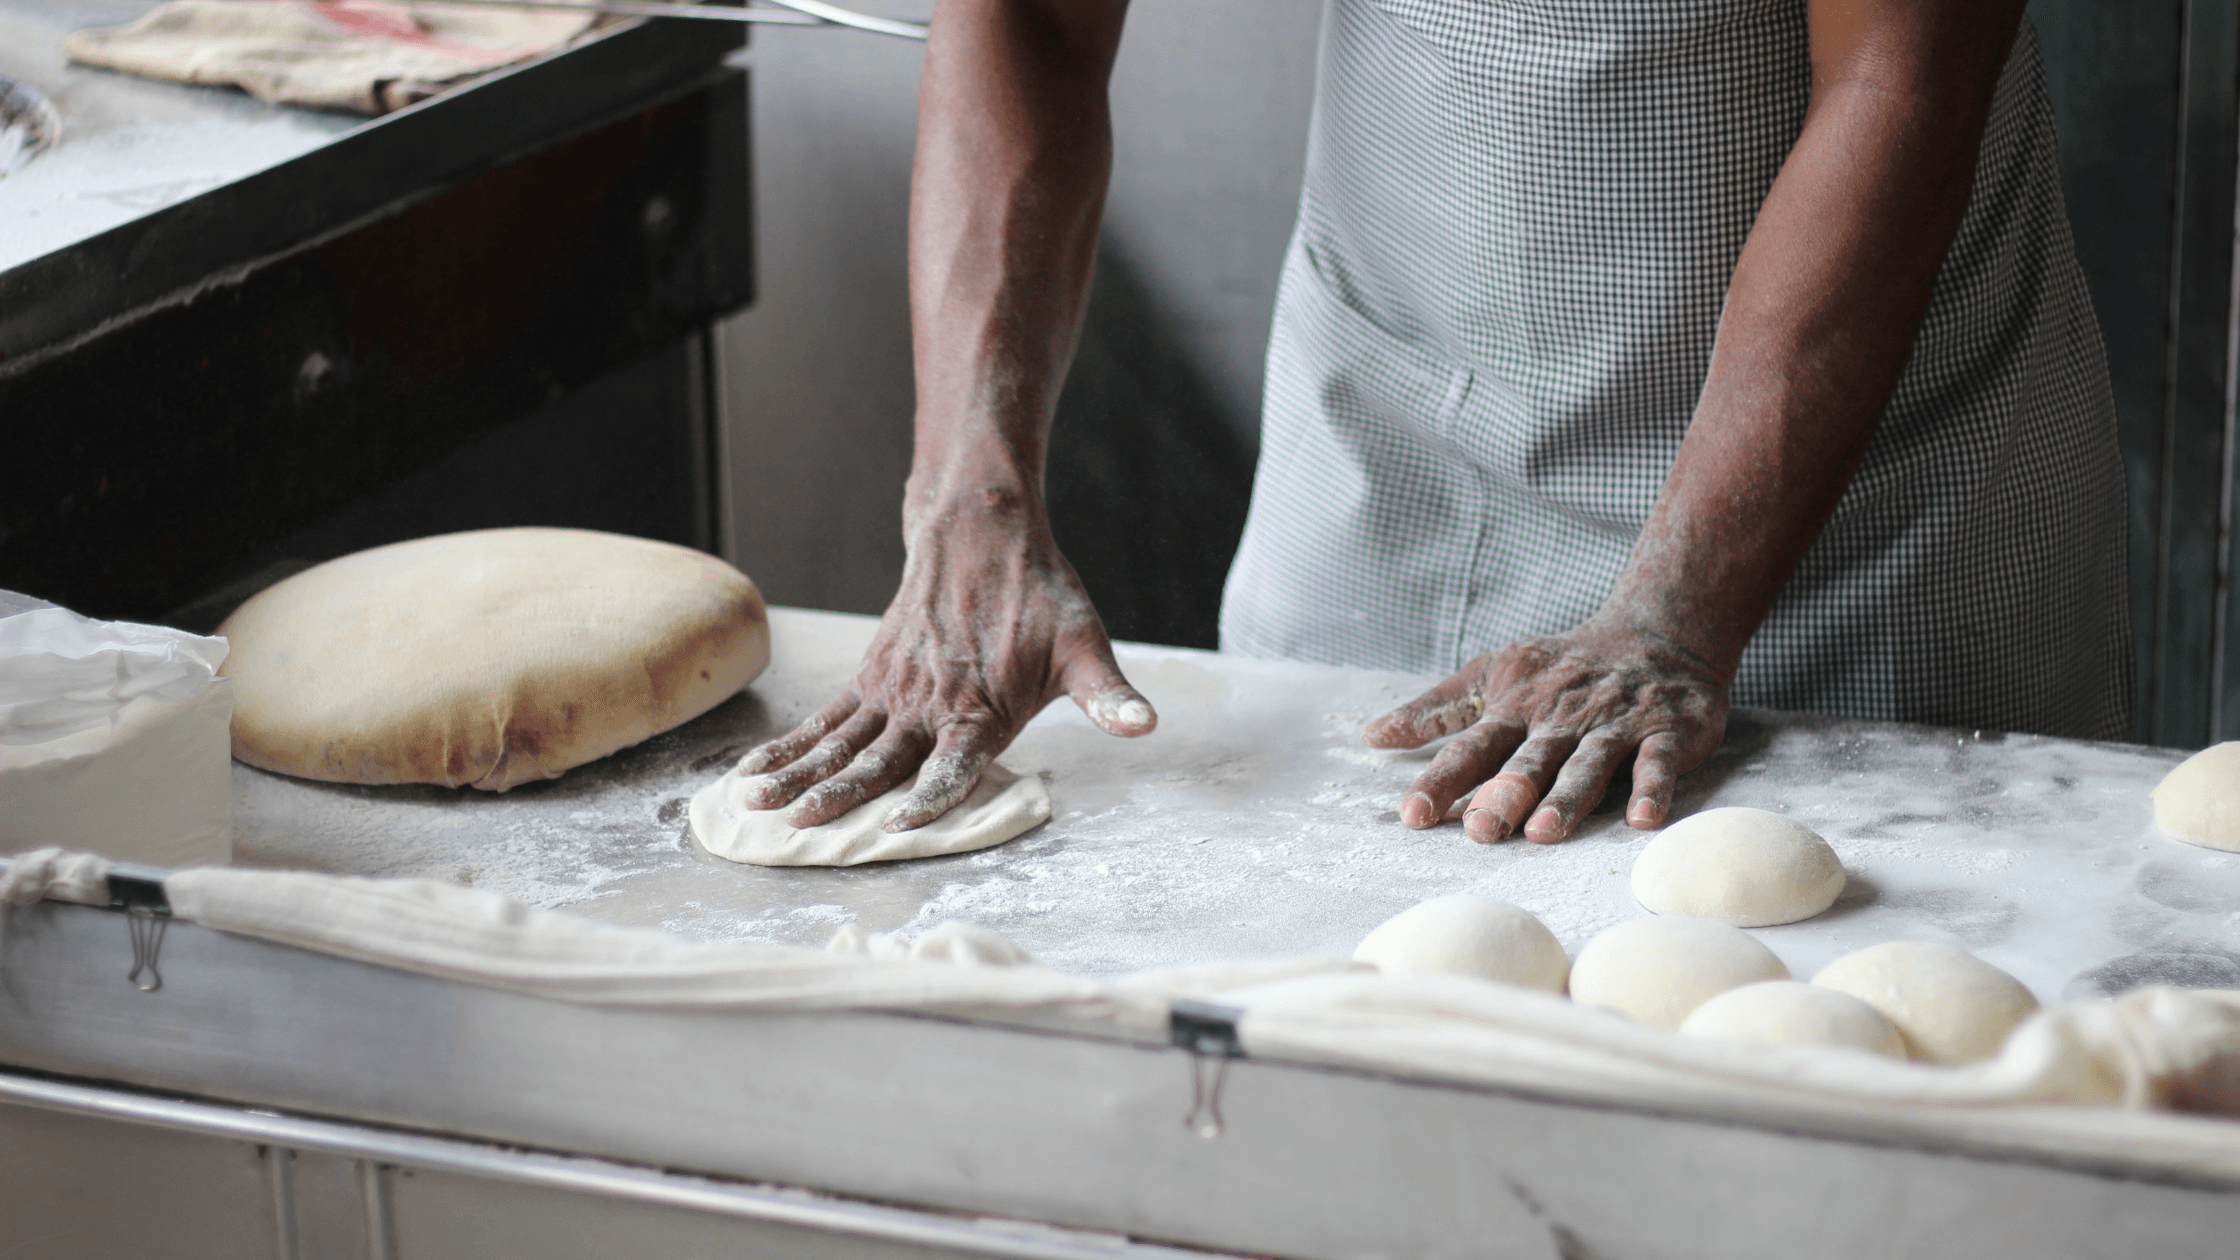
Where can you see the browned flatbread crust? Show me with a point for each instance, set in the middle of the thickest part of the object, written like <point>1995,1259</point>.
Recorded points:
<point>487,659</point>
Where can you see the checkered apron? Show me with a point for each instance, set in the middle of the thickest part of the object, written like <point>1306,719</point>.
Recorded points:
<point>1516,231</point>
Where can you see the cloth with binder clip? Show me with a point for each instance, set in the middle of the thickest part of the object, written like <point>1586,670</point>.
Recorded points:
<point>2156,1048</point>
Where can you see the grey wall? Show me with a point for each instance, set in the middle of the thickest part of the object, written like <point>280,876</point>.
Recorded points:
<point>1150,461</point>
<point>816,376</point>
<point>1210,106</point>
<point>2143,92</point>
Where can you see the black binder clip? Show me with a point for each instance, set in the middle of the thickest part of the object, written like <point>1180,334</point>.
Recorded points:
<point>1206,1030</point>
<point>138,891</point>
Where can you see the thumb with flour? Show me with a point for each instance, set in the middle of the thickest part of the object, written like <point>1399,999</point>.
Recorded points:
<point>1094,681</point>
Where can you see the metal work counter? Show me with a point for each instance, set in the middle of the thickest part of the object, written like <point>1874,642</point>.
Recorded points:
<point>371,1112</point>
<point>1254,823</point>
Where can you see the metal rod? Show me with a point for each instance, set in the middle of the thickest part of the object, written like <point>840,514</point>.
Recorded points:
<point>578,1174</point>
<point>848,17</point>
<point>653,9</point>
<point>373,1189</point>
<point>793,13</point>
<point>281,1165</point>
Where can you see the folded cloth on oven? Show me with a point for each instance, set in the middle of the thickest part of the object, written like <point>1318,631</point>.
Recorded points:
<point>361,56</point>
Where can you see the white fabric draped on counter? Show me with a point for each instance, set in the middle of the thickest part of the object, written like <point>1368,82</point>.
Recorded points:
<point>2102,1062</point>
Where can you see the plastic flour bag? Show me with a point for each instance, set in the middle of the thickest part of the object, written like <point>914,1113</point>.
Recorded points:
<point>114,738</point>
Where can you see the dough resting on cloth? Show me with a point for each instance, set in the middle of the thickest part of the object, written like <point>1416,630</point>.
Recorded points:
<point>1470,936</point>
<point>1948,1004</point>
<point>1784,1012</point>
<point>2199,802</point>
<point>1658,971</point>
<point>489,659</point>
<point>1001,807</point>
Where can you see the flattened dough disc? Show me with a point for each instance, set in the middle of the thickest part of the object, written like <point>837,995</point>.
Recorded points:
<point>1002,807</point>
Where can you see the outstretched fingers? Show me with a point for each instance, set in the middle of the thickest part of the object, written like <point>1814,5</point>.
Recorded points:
<point>1656,775</point>
<point>1578,787</point>
<point>960,756</point>
<point>1497,810</point>
<point>1460,766</point>
<point>786,748</point>
<point>1447,709</point>
<point>888,761</point>
<point>828,757</point>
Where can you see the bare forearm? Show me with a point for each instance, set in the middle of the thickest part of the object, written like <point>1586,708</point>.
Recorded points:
<point>1014,151</point>
<point>1821,316</point>
<point>990,623</point>
<point>1819,322</point>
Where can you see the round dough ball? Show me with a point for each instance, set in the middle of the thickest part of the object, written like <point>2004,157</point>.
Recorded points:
<point>1948,1004</point>
<point>1658,971</point>
<point>1471,936</point>
<point>2199,802</point>
<point>1741,866</point>
<point>1786,1012</point>
<point>489,658</point>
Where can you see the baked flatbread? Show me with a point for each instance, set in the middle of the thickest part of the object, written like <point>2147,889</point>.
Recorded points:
<point>486,659</point>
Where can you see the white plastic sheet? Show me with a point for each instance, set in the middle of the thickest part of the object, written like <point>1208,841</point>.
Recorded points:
<point>114,738</point>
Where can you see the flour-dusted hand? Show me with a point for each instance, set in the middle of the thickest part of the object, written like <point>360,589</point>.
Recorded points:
<point>1818,325</point>
<point>990,625</point>
<point>1550,721</point>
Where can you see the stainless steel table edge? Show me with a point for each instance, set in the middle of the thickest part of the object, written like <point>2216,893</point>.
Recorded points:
<point>953,1115</point>
<point>387,1149</point>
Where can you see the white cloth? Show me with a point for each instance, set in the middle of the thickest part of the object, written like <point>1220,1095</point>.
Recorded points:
<point>2155,1048</point>
<point>481,938</point>
<point>964,944</point>
<point>56,876</point>
<point>62,674</point>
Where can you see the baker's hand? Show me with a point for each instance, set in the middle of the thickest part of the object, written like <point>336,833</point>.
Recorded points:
<point>1549,721</point>
<point>990,625</point>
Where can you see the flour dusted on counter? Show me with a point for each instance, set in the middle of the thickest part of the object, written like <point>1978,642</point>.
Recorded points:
<point>113,738</point>
<point>2032,853</point>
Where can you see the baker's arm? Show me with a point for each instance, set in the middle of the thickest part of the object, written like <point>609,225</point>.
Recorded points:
<point>1820,318</point>
<point>990,623</point>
